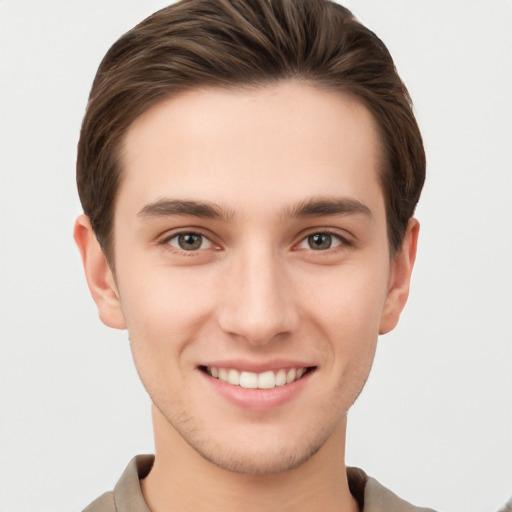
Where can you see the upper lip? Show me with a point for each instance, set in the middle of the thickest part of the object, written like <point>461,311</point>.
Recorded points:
<point>258,366</point>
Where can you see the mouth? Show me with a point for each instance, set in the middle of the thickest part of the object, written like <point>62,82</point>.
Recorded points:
<point>250,380</point>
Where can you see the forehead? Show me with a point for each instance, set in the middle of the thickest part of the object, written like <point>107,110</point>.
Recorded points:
<point>259,146</point>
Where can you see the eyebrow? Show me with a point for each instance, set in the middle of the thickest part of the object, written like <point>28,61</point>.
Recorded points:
<point>320,207</point>
<point>315,207</point>
<point>167,207</point>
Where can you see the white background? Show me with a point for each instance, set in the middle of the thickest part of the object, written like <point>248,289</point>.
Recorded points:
<point>435,421</point>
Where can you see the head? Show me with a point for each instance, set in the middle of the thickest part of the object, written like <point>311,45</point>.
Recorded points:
<point>235,44</point>
<point>250,169</point>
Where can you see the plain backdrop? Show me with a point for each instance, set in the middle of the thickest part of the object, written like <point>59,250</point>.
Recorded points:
<point>435,420</point>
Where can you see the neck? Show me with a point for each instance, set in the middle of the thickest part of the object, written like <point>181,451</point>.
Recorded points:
<point>181,479</point>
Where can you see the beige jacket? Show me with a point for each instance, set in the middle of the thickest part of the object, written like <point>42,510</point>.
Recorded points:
<point>127,495</point>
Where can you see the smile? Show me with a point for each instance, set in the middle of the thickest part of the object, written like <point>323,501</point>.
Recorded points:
<point>250,380</point>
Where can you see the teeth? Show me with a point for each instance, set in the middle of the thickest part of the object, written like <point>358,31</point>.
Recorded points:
<point>251,380</point>
<point>234,377</point>
<point>248,380</point>
<point>266,380</point>
<point>280,378</point>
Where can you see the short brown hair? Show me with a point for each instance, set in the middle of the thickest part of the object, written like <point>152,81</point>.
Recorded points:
<point>229,43</point>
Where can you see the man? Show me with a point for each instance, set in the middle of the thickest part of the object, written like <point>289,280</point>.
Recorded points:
<point>248,172</point>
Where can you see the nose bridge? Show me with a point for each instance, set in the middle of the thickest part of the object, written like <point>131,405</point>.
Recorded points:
<point>258,304</point>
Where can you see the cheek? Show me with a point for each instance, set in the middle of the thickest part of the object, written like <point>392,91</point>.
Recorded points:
<point>164,311</point>
<point>347,303</point>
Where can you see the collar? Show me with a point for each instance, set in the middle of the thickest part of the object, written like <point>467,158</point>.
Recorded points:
<point>370,494</point>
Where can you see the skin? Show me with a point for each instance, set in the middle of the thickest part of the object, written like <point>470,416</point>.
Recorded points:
<point>255,291</point>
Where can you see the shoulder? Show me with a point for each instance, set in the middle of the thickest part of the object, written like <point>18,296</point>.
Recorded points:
<point>374,497</point>
<point>379,499</point>
<point>105,503</point>
<point>127,494</point>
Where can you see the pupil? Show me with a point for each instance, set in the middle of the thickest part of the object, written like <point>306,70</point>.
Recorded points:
<point>320,241</point>
<point>190,241</point>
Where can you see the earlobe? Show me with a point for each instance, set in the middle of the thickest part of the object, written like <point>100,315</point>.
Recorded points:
<point>99,276</point>
<point>401,270</point>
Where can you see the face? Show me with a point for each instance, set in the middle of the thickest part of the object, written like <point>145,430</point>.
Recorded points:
<point>252,267</point>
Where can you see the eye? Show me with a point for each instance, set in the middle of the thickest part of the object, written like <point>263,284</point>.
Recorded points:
<point>321,241</point>
<point>189,241</point>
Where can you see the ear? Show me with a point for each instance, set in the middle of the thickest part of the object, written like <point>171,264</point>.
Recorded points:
<point>99,275</point>
<point>400,278</point>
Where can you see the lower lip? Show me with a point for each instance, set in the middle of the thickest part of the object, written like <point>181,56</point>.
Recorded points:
<point>258,399</point>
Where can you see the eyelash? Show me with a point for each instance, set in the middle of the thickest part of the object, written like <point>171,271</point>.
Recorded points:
<point>166,242</point>
<point>342,245</point>
<point>343,241</point>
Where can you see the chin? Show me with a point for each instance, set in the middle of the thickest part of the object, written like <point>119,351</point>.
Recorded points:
<point>259,462</point>
<point>263,451</point>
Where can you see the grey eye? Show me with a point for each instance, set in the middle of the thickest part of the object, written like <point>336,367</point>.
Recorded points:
<point>190,241</point>
<point>320,242</point>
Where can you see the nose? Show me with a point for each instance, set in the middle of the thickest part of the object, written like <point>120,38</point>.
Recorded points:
<point>258,303</point>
